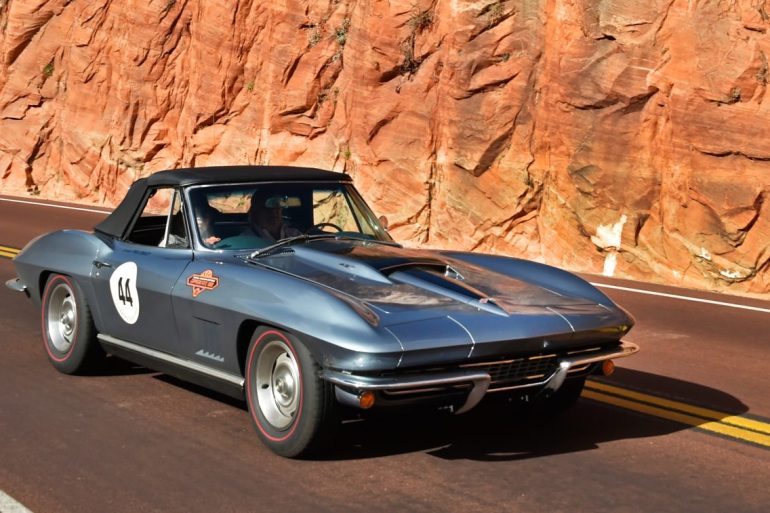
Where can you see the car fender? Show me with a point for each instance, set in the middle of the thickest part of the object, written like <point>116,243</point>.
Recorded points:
<point>339,331</point>
<point>69,252</point>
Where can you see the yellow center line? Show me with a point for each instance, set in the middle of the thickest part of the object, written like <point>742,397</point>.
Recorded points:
<point>724,418</point>
<point>7,254</point>
<point>8,249</point>
<point>697,422</point>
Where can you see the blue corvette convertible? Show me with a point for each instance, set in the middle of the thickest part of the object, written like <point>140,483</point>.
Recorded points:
<point>280,286</point>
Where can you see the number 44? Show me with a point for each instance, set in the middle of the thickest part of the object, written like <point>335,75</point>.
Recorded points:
<point>124,293</point>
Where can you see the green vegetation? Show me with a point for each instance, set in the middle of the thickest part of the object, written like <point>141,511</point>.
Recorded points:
<point>420,21</point>
<point>341,34</point>
<point>250,86</point>
<point>48,70</point>
<point>314,38</point>
<point>762,72</point>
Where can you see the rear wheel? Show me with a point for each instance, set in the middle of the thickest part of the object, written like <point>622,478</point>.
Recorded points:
<point>68,329</point>
<point>291,408</point>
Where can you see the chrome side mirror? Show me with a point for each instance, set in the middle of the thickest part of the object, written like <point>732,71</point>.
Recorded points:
<point>383,221</point>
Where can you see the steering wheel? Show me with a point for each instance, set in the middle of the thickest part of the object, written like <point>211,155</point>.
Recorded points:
<point>320,227</point>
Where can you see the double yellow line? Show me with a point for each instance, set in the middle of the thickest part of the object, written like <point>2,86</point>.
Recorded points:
<point>725,424</point>
<point>8,252</point>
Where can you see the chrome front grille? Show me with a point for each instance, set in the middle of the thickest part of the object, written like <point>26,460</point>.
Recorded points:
<point>524,370</point>
<point>519,369</point>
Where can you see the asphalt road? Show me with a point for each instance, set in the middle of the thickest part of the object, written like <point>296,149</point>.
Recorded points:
<point>684,425</point>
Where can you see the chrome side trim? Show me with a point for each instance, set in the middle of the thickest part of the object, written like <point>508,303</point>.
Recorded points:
<point>16,285</point>
<point>480,381</point>
<point>174,360</point>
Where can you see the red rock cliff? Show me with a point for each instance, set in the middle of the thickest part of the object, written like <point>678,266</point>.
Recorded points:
<point>611,136</point>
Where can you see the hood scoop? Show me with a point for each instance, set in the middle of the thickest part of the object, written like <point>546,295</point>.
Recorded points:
<point>446,281</point>
<point>432,266</point>
<point>406,264</point>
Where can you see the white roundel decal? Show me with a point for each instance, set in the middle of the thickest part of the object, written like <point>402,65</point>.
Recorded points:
<point>123,291</point>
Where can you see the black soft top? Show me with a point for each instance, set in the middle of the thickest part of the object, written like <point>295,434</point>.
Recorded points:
<point>117,222</point>
<point>238,174</point>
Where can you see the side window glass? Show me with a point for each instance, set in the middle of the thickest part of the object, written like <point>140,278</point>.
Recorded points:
<point>176,230</point>
<point>157,223</point>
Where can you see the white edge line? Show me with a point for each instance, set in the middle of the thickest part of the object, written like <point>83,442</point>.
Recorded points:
<point>685,298</point>
<point>10,505</point>
<point>40,203</point>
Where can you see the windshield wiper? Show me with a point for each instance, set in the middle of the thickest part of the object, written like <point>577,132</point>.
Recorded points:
<point>370,241</point>
<point>289,241</point>
<point>269,250</point>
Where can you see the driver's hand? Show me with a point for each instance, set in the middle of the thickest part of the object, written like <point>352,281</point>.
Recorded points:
<point>212,240</point>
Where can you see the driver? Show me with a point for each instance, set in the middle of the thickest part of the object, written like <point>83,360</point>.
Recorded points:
<point>266,218</point>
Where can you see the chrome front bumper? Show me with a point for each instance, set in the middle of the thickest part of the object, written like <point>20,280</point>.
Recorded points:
<point>479,380</point>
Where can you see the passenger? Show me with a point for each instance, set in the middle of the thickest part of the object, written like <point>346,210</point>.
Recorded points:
<point>204,217</point>
<point>266,218</point>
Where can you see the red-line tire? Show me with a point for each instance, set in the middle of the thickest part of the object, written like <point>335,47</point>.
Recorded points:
<point>69,334</point>
<point>291,408</point>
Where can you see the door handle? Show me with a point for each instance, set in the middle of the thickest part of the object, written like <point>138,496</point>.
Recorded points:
<point>99,264</point>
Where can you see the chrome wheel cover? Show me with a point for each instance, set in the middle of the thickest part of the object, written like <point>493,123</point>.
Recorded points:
<point>277,384</point>
<point>62,317</point>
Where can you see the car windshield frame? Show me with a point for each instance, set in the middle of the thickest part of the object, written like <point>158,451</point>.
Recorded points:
<point>364,218</point>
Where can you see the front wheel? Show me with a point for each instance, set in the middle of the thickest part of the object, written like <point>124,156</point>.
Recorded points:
<point>68,329</point>
<point>290,406</point>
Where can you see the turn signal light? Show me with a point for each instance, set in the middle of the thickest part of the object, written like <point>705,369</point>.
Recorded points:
<point>366,400</point>
<point>608,367</point>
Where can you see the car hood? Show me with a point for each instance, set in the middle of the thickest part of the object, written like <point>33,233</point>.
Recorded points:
<point>428,299</point>
<point>393,279</point>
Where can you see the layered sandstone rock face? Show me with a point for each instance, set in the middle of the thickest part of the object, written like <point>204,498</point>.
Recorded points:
<point>612,136</point>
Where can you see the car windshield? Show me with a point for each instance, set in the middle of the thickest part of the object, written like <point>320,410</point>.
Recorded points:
<point>256,216</point>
